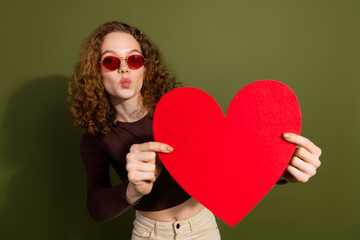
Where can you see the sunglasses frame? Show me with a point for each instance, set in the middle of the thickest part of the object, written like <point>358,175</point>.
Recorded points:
<point>124,58</point>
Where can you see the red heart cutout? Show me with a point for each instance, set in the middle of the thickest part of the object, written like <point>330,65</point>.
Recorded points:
<point>228,163</point>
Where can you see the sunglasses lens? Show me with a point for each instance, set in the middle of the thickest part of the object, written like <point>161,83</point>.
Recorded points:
<point>111,63</point>
<point>135,61</point>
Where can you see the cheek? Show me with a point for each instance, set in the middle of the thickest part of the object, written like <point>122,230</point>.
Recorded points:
<point>104,78</point>
<point>107,80</point>
<point>104,69</point>
<point>142,77</point>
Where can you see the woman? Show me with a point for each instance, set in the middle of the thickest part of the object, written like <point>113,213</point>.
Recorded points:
<point>116,85</point>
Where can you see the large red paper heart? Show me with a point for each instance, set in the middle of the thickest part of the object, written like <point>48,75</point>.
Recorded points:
<point>228,163</point>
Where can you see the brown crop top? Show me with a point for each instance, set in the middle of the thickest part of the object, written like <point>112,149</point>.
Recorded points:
<point>105,201</point>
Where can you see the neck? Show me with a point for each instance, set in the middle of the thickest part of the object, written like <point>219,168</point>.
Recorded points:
<point>129,110</point>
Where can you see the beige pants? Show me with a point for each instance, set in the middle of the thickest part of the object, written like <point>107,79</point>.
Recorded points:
<point>201,226</point>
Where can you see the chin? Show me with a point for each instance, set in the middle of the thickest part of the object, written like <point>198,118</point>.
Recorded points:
<point>127,94</point>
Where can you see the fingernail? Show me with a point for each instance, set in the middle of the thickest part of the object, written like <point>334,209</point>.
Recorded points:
<point>169,149</point>
<point>286,135</point>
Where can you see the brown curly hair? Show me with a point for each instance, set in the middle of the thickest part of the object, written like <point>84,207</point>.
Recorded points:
<point>90,103</point>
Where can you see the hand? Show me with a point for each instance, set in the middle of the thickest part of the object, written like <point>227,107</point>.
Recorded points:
<point>304,162</point>
<point>143,168</point>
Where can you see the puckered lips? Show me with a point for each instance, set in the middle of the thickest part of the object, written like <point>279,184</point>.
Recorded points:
<point>125,82</point>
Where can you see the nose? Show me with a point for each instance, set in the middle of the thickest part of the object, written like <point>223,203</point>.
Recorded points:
<point>124,68</point>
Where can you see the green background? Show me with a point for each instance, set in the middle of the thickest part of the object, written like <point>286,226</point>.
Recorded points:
<point>217,46</point>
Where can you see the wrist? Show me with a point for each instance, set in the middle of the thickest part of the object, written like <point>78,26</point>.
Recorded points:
<point>132,196</point>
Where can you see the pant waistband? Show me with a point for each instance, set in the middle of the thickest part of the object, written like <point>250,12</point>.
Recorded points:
<point>172,225</point>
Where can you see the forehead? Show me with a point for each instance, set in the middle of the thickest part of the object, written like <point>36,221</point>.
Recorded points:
<point>120,42</point>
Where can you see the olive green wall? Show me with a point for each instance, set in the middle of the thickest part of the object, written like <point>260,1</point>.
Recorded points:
<point>218,46</point>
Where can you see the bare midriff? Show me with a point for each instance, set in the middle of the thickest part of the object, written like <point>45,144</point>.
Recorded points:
<point>180,212</point>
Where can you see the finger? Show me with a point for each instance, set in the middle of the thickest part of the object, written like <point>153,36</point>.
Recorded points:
<point>141,157</point>
<point>304,142</point>
<point>142,167</point>
<point>151,146</point>
<point>305,155</point>
<point>303,166</point>
<point>297,175</point>
<point>136,177</point>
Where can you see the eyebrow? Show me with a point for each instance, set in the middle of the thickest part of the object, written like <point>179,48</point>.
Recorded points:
<point>111,51</point>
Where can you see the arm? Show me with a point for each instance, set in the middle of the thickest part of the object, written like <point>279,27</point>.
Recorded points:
<point>305,161</point>
<point>103,200</point>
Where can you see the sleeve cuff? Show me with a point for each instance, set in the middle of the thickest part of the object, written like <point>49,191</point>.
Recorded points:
<point>281,182</point>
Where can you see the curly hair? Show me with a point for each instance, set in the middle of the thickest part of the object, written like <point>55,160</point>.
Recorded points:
<point>90,103</point>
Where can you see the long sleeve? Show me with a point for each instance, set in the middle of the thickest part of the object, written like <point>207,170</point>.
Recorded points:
<point>103,200</point>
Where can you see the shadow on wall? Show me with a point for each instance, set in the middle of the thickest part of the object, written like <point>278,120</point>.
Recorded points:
<point>46,195</point>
